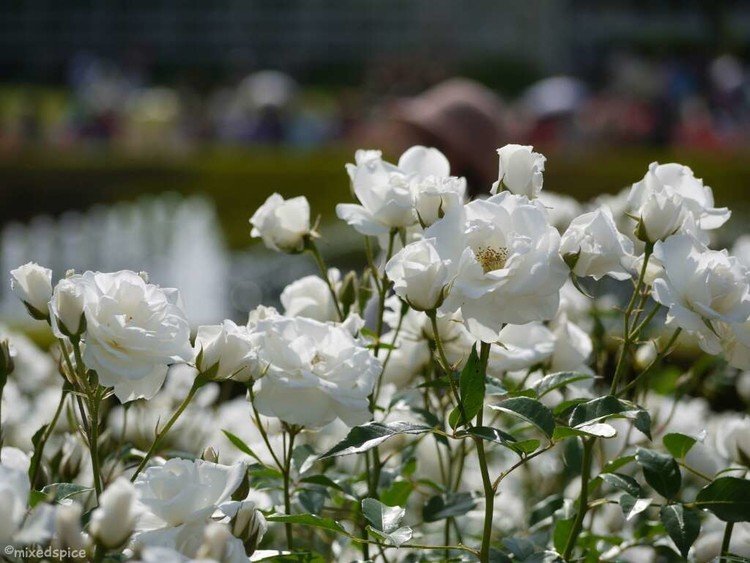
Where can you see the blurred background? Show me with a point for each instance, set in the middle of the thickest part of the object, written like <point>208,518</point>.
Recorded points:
<point>143,134</point>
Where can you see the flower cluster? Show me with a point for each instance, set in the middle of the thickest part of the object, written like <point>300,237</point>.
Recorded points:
<point>515,377</point>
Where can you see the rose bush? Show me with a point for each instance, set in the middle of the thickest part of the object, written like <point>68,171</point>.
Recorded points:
<point>521,377</point>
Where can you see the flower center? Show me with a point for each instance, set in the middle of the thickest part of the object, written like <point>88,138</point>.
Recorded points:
<point>491,258</point>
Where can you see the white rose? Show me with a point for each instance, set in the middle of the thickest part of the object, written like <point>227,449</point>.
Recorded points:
<point>310,297</point>
<point>134,331</point>
<point>191,543</point>
<point>700,286</point>
<point>247,523</point>
<point>419,276</point>
<point>521,347</point>
<point>735,343</point>
<point>66,309</point>
<point>183,491</point>
<point>573,346</point>
<point>14,494</point>
<point>386,199</point>
<point>597,247</point>
<point>113,521</point>
<point>667,195</point>
<point>733,439</point>
<point>435,190</point>
<point>521,170</point>
<point>282,224</point>
<point>316,373</point>
<point>506,262</point>
<point>32,284</point>
<point>227,350</point>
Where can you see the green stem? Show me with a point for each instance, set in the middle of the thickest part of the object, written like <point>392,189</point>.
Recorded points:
<point>383,290</point>
<point>445,365</point>
<point>94,401</point>
<point>663,354</point>
<point>588,448</point>
<point>311,246</point>
<point>624,348</point>
<point>197,384</point>
<point>287,489</point>
<point>39,453</point>
<point>726,541</point>
<point>489,491</point>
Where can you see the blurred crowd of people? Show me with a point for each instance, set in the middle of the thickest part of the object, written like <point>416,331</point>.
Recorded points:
<point>635,100</point>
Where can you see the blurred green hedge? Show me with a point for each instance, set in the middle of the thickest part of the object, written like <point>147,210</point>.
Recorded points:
<point>238,180</point>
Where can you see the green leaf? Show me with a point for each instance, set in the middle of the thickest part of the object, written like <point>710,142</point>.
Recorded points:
<point>678,444</point>
<point>597,429</point>
<point>472,386</point>
<point>322,481</point>
<point>397,537</point>
<point>365,437</point>
<point>617,463</point>
<point>36,457</point>
<point>562,533</point>
<point>524,447</point>
<point>622,482</point>
<point>398,493</point>
<point>440,507</point>
<point>487,433</point>
<point>63,491</point>
<point>632,506</point>
<point>545,508</point>
<point>382,517</point>
<point>240,445</point>
<point>683,525</point>
<point>556,380</point>
<point>728,498</point>
<point>661,471</point>
<point>531,411</point>
<point>309,520</point>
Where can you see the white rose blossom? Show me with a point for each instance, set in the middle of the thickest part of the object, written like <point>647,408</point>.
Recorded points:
<point>282,224</point>
<point>227,351</point>
<point>183,492</point>
<point>66,309</point>
<point>386,199</point>
<point>435,190</point>
<point>505,261</point>
<point>134,331</point>
<point>521,170</point>
<point>14,494</point>
<point>667,196</point>
<point>32,284</point>
<point>419,276</point>
<point>701,288</point>
<point>596,248</point>
<point>521,347</point>
<point>113,521</point>
<point>317,372</point>
<point>310,297</point>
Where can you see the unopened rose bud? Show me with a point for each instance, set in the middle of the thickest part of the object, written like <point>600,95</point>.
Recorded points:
<point>68,532</point>
<point>283,224</point>
<point>645,355</point>
<point>216,542</point>
<point>72,456</point>
<point>348,292</point>
<point>113,522</point>
<point>66,309</point>
<point>521,170</point>
<point>210,455</point>
<point>249,525</point>
<point>6,362</point>
<point>32,284</point>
